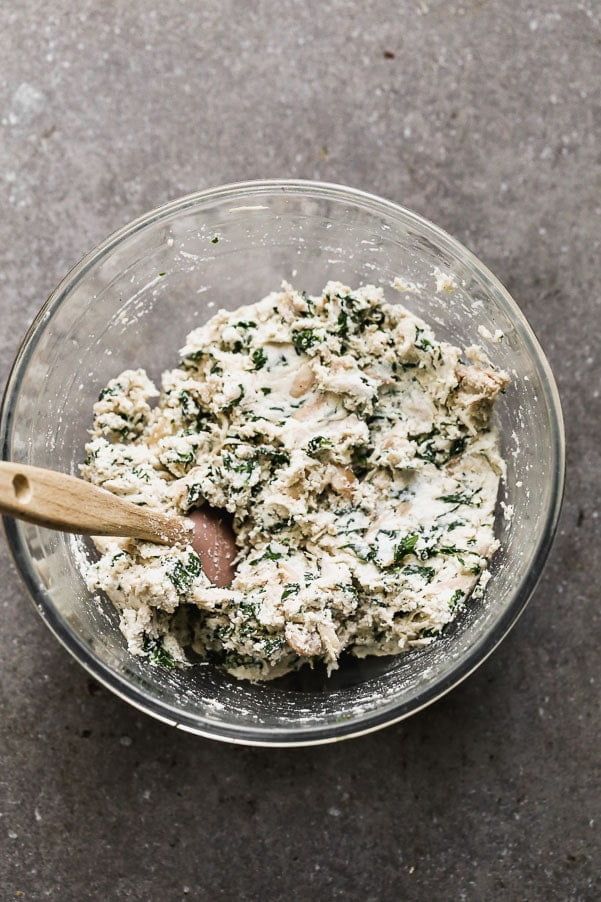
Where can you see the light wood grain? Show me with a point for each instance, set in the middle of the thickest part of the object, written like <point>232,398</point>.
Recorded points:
<point>72,505</point>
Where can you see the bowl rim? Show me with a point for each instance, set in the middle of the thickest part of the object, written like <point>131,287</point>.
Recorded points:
<point>363,723</point>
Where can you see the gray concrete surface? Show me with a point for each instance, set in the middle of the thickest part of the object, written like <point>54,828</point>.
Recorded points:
<point>485,117</point>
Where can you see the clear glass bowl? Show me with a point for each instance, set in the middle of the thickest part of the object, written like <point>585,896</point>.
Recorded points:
<point>131,302</point>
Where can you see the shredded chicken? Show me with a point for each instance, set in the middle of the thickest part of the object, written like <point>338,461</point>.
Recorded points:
<point>356,455</point>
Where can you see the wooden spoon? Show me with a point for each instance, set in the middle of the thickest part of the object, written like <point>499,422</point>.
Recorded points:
<point>64,502</point>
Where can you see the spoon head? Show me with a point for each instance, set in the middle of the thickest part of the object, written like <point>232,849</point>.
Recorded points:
<point>213,541</point>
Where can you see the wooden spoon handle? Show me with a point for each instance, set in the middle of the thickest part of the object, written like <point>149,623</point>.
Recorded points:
<point>72,505</point>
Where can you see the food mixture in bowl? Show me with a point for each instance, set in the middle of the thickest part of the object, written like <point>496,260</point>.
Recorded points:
<point>357,457</point>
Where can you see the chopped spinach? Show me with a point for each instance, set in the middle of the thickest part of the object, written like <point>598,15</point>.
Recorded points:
<point>259,358</point>
<point>182,575</point>
<point>421,343</point>
<point>363,555</point>
<point>456,598</point>
<point>108,392</point>
<point>303,339</point>
<point>405,547</point>
<point>272,644</point>
<point>158,654</point>
<point>318,443</point>
<point>194,495</point>
<point>426,573</point>
<point>428,633</point>
<point>459,498</point>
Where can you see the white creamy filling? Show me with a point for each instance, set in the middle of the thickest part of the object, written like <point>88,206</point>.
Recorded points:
<point>356,454</point>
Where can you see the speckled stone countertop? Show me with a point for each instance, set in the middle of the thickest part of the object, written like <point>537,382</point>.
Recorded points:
<point>484,116</point>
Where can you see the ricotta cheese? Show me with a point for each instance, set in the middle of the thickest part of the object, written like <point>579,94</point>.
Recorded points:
<point>356,455</point>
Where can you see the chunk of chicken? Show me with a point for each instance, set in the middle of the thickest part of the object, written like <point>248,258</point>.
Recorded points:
<point>478,388</point>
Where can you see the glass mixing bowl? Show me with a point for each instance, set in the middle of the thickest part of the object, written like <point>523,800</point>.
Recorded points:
<point>131,302</point>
